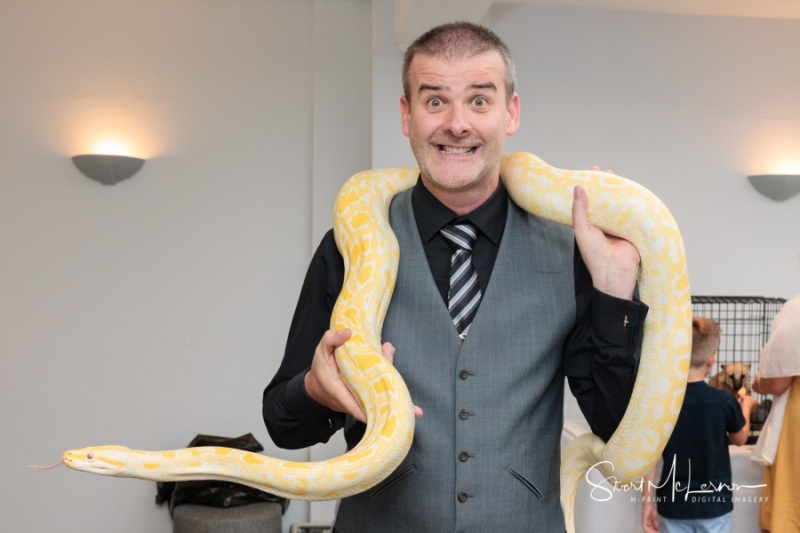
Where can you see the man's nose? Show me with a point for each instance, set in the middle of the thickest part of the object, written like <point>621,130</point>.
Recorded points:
<point>457,122</point>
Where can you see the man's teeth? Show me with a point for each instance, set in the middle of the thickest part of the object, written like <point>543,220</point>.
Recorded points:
<point>456,149</point>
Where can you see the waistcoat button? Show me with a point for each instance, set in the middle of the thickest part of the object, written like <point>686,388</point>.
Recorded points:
<point>464,374</point>
<point>463,497</point>
<point>463,457</point>
<point>464,414</point>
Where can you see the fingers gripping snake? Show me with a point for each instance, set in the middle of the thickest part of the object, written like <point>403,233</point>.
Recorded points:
<point>371,254</point>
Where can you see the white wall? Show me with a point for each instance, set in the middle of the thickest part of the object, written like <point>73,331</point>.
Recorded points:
<point>144,313</point>
<point>686,105</point>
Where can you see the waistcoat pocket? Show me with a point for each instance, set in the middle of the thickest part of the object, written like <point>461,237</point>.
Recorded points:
<point>527,482</point>
<point>392,480</point>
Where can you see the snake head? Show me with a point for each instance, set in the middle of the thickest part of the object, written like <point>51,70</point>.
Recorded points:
<point>104,460</point>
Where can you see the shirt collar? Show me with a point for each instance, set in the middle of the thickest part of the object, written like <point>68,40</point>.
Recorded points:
<point>432,215</point>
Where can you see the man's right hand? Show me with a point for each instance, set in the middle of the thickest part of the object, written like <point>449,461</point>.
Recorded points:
<point>324,383</point>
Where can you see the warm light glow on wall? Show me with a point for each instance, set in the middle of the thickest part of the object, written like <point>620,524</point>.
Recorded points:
<point>779,180</point>
<point>112,147</point>
<point>772,147</point>
<point>786,167</point>
<point>113,126</point>
<point>773,163</point>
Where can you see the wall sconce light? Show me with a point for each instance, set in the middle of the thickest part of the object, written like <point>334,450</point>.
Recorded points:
<point>779,187</point>
<point>107,169</point>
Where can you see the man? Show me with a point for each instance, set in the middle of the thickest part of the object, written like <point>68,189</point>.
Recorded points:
<point>486,451</point>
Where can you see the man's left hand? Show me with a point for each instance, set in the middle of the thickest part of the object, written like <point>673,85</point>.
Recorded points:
<point>613,262</point>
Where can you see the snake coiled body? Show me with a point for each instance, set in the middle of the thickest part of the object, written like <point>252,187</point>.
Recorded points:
<point>370,251</point>
<point>625,209</point>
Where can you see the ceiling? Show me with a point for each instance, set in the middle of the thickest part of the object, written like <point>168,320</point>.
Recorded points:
<point>781,9</point>
<point>413,17</point>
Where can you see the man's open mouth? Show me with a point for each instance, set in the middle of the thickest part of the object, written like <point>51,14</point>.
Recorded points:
<point>457,150</point>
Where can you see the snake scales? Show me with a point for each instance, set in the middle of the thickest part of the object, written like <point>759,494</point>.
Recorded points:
<point>371,255</point>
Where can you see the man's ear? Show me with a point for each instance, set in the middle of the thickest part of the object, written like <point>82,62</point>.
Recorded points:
<point>405,115</point>
<point>512,121</point>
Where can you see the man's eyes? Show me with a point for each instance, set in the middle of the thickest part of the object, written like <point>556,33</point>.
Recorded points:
<point>435,102</point>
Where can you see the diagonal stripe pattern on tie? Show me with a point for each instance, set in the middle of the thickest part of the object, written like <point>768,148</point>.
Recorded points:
<point>465,292</point>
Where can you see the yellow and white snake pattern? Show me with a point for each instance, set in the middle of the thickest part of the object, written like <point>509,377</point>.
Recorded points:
<point>367,243</point>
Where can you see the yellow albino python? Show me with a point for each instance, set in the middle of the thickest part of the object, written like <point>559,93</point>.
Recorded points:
<point>371,255</point>
<point>628,210</point>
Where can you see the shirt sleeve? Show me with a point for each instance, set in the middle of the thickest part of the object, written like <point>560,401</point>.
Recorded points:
<point>602,352</point>
<point>293,419</point>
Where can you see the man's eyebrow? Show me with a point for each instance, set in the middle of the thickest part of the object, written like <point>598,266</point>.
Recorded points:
<point>427,87</point>
<point>473,86</point>
<point>487,85</point>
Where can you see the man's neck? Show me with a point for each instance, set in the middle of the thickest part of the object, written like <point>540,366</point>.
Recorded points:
<point>463,202</point>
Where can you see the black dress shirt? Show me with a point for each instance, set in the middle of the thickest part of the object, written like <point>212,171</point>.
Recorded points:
<point>601,355</point>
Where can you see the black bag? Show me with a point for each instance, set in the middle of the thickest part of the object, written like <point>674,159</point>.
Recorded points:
<point>216,493</point>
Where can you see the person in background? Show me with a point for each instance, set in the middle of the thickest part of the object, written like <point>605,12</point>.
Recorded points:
<point>696,455</point>
<point>486,452</point>
<point>779,374</point>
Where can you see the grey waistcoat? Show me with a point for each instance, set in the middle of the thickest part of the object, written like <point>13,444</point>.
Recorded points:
<point>486,453</point>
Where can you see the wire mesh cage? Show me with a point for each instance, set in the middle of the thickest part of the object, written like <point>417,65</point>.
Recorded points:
<point>745,322</point>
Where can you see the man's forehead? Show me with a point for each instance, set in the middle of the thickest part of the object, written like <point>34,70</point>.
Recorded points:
<point>448,73</point>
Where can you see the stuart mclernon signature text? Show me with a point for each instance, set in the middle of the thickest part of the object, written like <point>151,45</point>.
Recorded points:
<point>706,492</point>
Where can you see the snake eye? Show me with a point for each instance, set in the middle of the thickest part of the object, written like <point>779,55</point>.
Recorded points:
<point>90,456</point>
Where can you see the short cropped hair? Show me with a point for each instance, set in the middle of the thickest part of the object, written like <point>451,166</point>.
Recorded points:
<point>705,340</point>
<point>454,41</point>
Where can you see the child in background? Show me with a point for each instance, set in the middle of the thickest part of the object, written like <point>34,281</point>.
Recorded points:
<point>696,454</point>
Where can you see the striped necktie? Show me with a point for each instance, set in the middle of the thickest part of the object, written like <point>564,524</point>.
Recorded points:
<point>464,296</point>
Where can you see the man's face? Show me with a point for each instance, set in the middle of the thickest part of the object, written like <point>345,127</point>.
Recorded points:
<point>457,117</point>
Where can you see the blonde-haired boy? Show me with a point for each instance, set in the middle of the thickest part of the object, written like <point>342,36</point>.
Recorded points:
<point>694,494</point>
